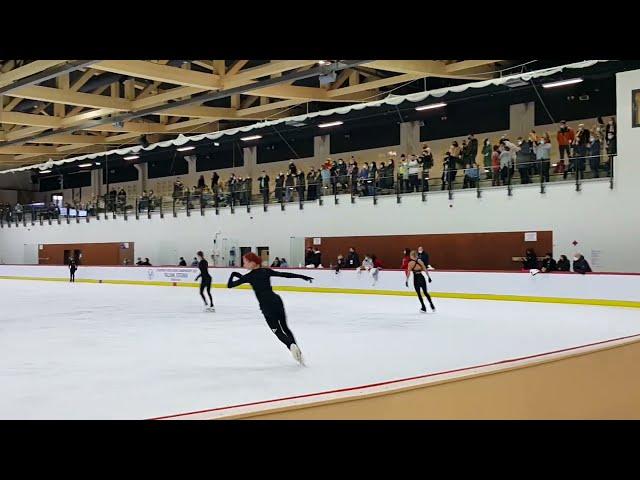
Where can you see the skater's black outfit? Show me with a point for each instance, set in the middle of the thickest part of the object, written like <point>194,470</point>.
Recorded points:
<point>203,265</point>
<point>270,303</point>
<point>419,283</point>
<point>72,271</point>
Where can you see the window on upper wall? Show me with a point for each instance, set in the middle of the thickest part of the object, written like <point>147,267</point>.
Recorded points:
<point>48,184</point>
<point>635,108</point>
<point>365,137</point>
<point>216,158</point>
<point>280,151</point>
<point>120,173</point>
<point>167,166</point>
<point>77,180</point>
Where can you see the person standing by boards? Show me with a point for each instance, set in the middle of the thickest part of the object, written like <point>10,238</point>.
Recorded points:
<point>73,266</point>
<point>205,282</point>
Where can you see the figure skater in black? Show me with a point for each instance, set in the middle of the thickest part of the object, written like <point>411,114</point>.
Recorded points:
<point>417,266</point>
<point>270,303</point>
<point>203,265</point>
<point>73,266</point>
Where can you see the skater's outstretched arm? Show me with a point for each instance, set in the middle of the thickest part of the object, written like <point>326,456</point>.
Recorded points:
<point>234,283</point>
<point>273,273</point>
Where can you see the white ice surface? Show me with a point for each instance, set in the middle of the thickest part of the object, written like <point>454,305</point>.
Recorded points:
<point>99,351</point>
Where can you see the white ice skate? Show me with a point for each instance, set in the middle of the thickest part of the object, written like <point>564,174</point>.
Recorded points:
<point>297,354</point>
<point>210,309</point>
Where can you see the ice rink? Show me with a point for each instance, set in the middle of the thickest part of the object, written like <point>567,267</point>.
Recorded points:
<point>101,351</point>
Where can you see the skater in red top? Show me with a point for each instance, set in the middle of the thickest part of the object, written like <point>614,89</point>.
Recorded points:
<point>405,263</point>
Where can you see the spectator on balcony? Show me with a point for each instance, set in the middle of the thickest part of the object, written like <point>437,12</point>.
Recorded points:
<point>530,260</point>
<point>565,139</point>
<point>495,166</point>
<point>455,151</point>
<point>580,264</point>
<point>473,147</point>
<point>201,183</point>
<point>353,260</point>
<point>548,264</point>
<point>143,204</point>
<point>232,188</point>
<point>425,160</point>
<point>325,173</point>
<point>279,187</point>
<point>18,211</point>
<point>405,173</point>
<point>178,188</point>
<point>563,264</point>
<point>312,184</point>
<point>487,153</point>
<point>523,159</point>
<point>289,184</point>
<point>363,178</point>
<point>582,141</point>
<point>276,262</point>
<point>471,176</point>
<point>215,179</point>
<point>465,153</point>
<point>152,200</point>
<point>543,157</point>
<point>594,149</point>
<point>301,185</point>
<point>342,175</point>
<point>506,160</point>
<point>414,171</point>
<point>263,185</point>
<point>353,175</point>
<point>182,262</point>
<point>293,170</point>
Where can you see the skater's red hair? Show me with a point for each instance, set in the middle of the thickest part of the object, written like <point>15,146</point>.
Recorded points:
<point>252,257</point>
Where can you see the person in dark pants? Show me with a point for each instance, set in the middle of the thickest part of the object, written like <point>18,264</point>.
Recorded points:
<point>263,182</point>
<point>205,283</point>
<point>563,264</point>
<point>594,156</point>
<point>270,303</point>
<point>580,264</point>
<point>417,266</point>
<point>182,262</point>
<point>353,260</point>
<point>530,260</point>
<point>73,266</point>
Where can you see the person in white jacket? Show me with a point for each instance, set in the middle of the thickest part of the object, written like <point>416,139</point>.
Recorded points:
<point>414,170</point>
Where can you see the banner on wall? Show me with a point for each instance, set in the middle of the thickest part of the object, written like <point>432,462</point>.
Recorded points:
<point>170,275</point>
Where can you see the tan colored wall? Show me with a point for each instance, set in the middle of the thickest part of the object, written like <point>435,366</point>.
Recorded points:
<point>588,383</point>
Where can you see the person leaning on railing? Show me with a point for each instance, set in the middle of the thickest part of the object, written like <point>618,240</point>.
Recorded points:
<point>523,159</point>
<point>595,148</point>
<point>543,157</point>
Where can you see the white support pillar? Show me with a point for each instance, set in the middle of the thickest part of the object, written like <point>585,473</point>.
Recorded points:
<point>522,118</point>
<point>142,176</point>
<point>410,138</point>
<point>191,162</point>
<point>321,147</point>
<point>250,155</point>
<point>96,183</point>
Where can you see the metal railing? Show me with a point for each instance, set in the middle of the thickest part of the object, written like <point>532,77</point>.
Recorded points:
<point>317,188</point>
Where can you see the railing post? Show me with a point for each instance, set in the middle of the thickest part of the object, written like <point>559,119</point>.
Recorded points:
<point>137,207</point>
<point>161,208</point>
<point>33,216</point>
<point>174,206</point>
<point>611,171</point>
<point>67,215</point>
<point>541,169</point>
<point>478,190</point>
<point>248,189</point>
<point>449,179</point>
<point>509,187</point>
<point>201,205</point>
<point>77,215</point>
<point>577,168</point>
<point>188,206</point>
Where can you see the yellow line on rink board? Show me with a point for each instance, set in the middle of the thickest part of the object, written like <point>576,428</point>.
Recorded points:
<point>355,291</point>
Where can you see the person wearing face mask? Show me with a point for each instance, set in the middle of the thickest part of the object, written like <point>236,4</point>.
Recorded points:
<point>426,162</point>
<point>580,264</point>
<point>563,264</point>
<point>263,182</point>
<point>543,157</point>
<point>565,138</point>
<point>594,156</point>
<point>473,147</point>
<point>487,150</point>
<point>522,160</point>
<point>611,141</point>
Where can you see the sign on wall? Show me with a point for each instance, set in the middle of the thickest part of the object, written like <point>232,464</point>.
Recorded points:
<point>317,241</point>
<point>530,236</point>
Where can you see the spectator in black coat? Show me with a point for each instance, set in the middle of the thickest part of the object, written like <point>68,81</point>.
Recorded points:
<point>563,264</point>
<point>276,262</point>
<point>139,262</point>
<point>263,183</point>
<point>580,264</point>
<point>424,256</point>
<point>316,258</point>
<point>530,260</point>
<point>549,264</point>
<point>146,262</point>
<point>182,262</point>
<point>353,260</point>
<point>308,256</point>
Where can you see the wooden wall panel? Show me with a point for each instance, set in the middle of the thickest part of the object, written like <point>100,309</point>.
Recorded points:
<point>92,253</point>
<point>451,251</point>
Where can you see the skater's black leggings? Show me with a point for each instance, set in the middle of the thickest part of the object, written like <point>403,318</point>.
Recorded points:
<point>419,283</point>
<point>277,320</point>
<point>72,276</point>
<point>206,283</point>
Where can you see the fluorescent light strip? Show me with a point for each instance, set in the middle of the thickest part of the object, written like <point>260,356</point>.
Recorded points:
<point>45,171</point>
<point>330,124</point>
<point>562,83</point>
<point>429,107</point>
<point>184,149</point>
<point>252,137</point>
<point>85,165</point>
<point>132,157</point>
<point>216,144</point>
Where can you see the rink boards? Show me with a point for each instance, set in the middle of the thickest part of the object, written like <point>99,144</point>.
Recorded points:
<point>592,289</point>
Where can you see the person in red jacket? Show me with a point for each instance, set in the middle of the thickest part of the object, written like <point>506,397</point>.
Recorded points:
<point>566,137</point>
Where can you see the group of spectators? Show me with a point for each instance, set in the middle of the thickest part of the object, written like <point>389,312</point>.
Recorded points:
<point>530,262</point>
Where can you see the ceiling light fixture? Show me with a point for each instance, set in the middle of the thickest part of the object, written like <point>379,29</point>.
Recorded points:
<point>132,157</point>
<point>330,124</point>
<point>562,83</point>
<point>184,149</point>
<point>252,137</point>
<point>85,165</point>
<point>429,107</point>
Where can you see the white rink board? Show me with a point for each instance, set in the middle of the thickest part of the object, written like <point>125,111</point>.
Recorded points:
<point>625,287</point>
